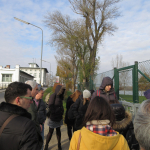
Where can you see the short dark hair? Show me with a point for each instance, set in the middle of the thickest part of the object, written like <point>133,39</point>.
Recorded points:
<point>16,89</point>
<point>99,109</point>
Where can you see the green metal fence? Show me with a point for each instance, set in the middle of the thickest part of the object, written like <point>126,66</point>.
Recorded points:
<point>129,82</point>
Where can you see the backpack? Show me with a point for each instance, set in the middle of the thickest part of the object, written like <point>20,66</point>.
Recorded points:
<point>131,140</point>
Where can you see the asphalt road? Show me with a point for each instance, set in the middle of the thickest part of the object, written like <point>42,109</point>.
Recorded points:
<point>2,97</point>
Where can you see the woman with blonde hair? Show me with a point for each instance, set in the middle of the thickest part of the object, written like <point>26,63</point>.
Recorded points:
<point>80,107</point>
<point>71,100</point>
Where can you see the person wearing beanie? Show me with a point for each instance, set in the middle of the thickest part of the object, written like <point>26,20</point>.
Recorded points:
<point>79,108</point>
<point>147,94</point>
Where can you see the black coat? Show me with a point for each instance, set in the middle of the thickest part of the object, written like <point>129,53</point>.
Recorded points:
<point>68,104</point>
<point>41,109</point>
<point>124,125</point>
<point>110,96</point>
<point>20,133</point>
<point>56,104</point>
<point>79,111</point>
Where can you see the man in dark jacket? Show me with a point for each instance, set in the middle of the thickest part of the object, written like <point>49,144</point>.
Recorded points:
<point>20,133</point>
<point>106,91</point>
<point>41,108</point>
<point>33,109</point>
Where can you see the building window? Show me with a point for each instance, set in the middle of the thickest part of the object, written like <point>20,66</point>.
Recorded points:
<point>6,77</point>
<point>35,75</point>
<point>26,69</point>
<point>30,70</point>
<point>35,70</point>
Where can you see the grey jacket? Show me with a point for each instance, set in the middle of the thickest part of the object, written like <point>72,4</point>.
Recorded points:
<point>33,111</point>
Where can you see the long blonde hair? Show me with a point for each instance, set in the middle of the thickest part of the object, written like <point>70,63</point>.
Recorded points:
<point>75,95</point>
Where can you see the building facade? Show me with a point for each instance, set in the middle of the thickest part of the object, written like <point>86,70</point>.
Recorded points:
<point>34,70</point>
<point>8,75</point>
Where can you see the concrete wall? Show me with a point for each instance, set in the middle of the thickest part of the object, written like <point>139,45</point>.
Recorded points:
<point>14,72</point>
<point>24,77</point>
<point>16,75</point>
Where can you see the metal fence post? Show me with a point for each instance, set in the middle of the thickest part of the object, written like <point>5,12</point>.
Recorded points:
<point>135,83</point>
<point>116,82</point>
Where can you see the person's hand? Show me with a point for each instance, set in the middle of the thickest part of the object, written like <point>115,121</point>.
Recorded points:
<point>37,97</point>
<point>41,127</point>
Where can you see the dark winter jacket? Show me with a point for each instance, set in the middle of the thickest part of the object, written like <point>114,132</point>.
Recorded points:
<point>110,96</point>
<point>33,111</point>
<point>56,103</point>
<point>20,133</point>
<point>79,111</point>
<point>68,104</point>
<point>124,125</point>
<point>41,109</point>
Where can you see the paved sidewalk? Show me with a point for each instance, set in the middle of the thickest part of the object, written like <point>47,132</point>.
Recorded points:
<point>2,90</point>
<point>53,143</point>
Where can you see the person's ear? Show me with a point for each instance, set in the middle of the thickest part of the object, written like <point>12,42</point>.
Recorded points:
<point>17,101</point>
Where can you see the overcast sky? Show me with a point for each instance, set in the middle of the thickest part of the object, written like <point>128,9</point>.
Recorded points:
<point>20,43</point>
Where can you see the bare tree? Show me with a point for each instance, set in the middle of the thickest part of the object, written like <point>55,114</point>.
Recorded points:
<point>97,15</point>
<point>123,76</point>
<point>70,38</point>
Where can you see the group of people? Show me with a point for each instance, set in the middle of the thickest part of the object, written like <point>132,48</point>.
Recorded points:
<point>100,120</point>
<point>94,119</point>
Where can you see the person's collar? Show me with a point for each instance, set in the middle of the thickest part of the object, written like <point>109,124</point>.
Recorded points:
<point>14,109</point>
<point>98,122</point>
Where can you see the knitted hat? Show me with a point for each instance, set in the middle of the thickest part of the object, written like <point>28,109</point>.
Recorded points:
<point>147,94</point>
<point>86,94</point>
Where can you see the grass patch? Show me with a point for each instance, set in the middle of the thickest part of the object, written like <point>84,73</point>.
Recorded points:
<point>67,94</point>
<point>64,105</point>
<point>129,98</point>
<point>47,91</point>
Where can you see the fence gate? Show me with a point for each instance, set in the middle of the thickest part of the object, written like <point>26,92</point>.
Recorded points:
<point>133,81</point>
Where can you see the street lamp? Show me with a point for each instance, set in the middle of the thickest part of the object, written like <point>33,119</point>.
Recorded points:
<point>41,43</point>
<point>51,75</point>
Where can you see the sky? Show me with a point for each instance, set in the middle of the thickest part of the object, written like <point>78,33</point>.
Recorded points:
<point>20,43</point>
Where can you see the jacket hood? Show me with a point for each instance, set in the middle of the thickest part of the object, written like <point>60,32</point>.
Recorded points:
<point>118,125</point>
<point>106,81</point>
<point>95,141</point>
<point>14,109</point>
<point>59,89</point>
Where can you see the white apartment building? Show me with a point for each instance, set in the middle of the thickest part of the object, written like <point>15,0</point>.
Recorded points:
<point>8,75</point>
<point>34,70</point>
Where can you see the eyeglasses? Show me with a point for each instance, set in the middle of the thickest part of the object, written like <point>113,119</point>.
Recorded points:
<point>30,98</point>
